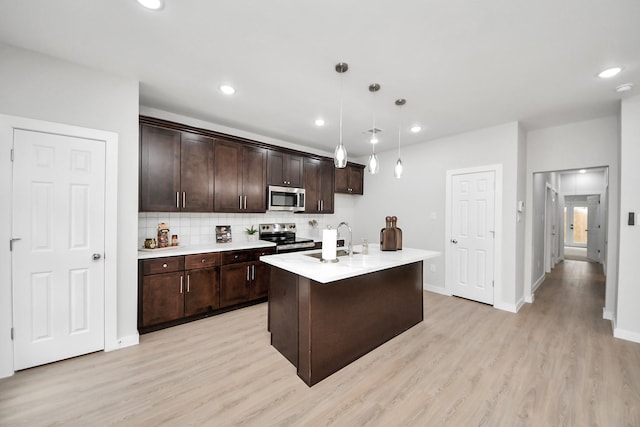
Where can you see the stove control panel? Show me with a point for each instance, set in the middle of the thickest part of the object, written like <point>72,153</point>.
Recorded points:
<point>277,228</point>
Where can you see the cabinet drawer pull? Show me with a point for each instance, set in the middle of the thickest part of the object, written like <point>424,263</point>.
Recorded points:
<point>188,283</point>
<point>181,280</point>
<point>165,265</point>
<point>235,256</point>
<point>203,260</point>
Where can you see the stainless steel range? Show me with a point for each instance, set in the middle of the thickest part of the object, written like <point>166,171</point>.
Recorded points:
<point>284,236</point>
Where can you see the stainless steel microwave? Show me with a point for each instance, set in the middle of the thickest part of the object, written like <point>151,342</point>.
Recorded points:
<point>286,199</point>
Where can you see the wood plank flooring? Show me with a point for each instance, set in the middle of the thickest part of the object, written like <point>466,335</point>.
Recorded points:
<point>555,363</point>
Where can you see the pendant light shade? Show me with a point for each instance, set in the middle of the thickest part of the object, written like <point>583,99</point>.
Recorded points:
<point>373,165</point>
<point>340,154</point>
<point>399,169</point>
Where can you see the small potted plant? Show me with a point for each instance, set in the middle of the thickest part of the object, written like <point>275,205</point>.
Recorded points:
<point>252,235</point>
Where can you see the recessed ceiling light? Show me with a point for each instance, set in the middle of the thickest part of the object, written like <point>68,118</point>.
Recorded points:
<point>319,122</point>
<point>227,90</point>
<point>582,171</point>
<point>374,139</point>
<point>624,88</point>
<point>609,72</point>
<point>151,4</point>
<point>415,128</point>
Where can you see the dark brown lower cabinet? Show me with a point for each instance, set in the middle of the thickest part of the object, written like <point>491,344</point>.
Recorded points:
<point>179,289</point>
<point>243,277</point>
<point>202,291</point>
<point>162,300</point>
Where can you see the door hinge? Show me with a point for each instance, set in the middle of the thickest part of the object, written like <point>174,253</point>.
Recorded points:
<point>12,334</point>
<point>12,154</point>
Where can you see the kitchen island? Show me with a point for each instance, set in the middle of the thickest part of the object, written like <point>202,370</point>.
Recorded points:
<point>323,316</point>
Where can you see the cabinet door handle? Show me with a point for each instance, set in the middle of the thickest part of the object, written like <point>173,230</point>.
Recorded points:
<point>322,205</point>
<point>253,272</point>
<point>184,199</point>
<point>245,202</point>
<point>247,273</point>
<point>177,199</point>
<point>239,202</point>
<point>181,280</point>
<point>188,283</point>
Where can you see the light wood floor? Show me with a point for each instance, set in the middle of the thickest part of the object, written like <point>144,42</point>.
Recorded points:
<point>554,363</point>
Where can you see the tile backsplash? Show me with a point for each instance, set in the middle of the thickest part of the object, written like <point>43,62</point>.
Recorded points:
<point>199,228</point>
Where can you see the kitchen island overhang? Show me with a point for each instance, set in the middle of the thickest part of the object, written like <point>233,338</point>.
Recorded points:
<point>322,317</point>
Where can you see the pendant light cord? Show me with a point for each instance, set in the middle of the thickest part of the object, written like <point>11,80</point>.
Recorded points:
<point>341,90</point>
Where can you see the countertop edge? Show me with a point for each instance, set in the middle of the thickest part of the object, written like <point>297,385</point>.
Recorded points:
<point>300,263</point>
<point>205,248</point>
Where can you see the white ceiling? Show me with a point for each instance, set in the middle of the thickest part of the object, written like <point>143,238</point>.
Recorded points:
<point>461,64</point>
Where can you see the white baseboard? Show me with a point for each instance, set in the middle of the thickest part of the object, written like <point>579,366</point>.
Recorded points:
<point>123,342</point>
<point>436,289</point>
<point>607,315</point>
<point>529,299</point>
<point>537,283</point>
<point>626,335</point>
<point>512,308</point>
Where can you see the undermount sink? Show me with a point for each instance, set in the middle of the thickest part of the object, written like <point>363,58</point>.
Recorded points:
<point>339,253</point>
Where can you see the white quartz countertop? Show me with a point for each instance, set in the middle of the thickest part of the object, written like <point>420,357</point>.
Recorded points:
<point>200,249</point>
<point>302,264</point>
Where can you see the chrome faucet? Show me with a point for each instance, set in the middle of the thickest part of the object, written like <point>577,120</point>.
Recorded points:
<point>349,246</point>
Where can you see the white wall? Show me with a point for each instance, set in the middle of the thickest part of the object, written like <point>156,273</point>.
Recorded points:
<point>41,87</point>
<point>418,198</point>
<point>592,143</point>
<point>627,318</point>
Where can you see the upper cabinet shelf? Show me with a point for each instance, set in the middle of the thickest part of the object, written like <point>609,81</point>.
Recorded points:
<point>284,169</point>
<point>186,169</point>
<point>350,179</point>
<point>176,171</point>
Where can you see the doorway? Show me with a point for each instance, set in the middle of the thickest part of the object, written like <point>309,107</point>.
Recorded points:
<point>41,140</point>
<point>582,225</point>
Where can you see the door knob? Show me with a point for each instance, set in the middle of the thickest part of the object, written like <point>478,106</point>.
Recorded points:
<point>96,257</point>
<point>454,241</point>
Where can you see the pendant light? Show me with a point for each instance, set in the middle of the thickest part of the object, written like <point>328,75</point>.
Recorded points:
<point>373,165</point>
<point>397,171</point>
<point>340,155</point>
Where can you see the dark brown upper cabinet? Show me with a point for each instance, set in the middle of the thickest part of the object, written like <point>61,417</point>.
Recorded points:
<point>318,179</point>
<point>240,177</point>
<point>176,171</point>
<point>350,180</point>
<point>284,169</point>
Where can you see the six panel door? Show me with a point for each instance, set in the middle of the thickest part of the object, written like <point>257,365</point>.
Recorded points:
<point>58,268</point>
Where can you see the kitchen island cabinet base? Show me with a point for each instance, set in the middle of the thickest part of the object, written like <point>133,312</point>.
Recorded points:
<point>321,328</point>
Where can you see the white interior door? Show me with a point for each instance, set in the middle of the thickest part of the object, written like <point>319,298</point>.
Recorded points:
<point>58,246</point>
<point>472,235</point>
<point>593,227</point>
